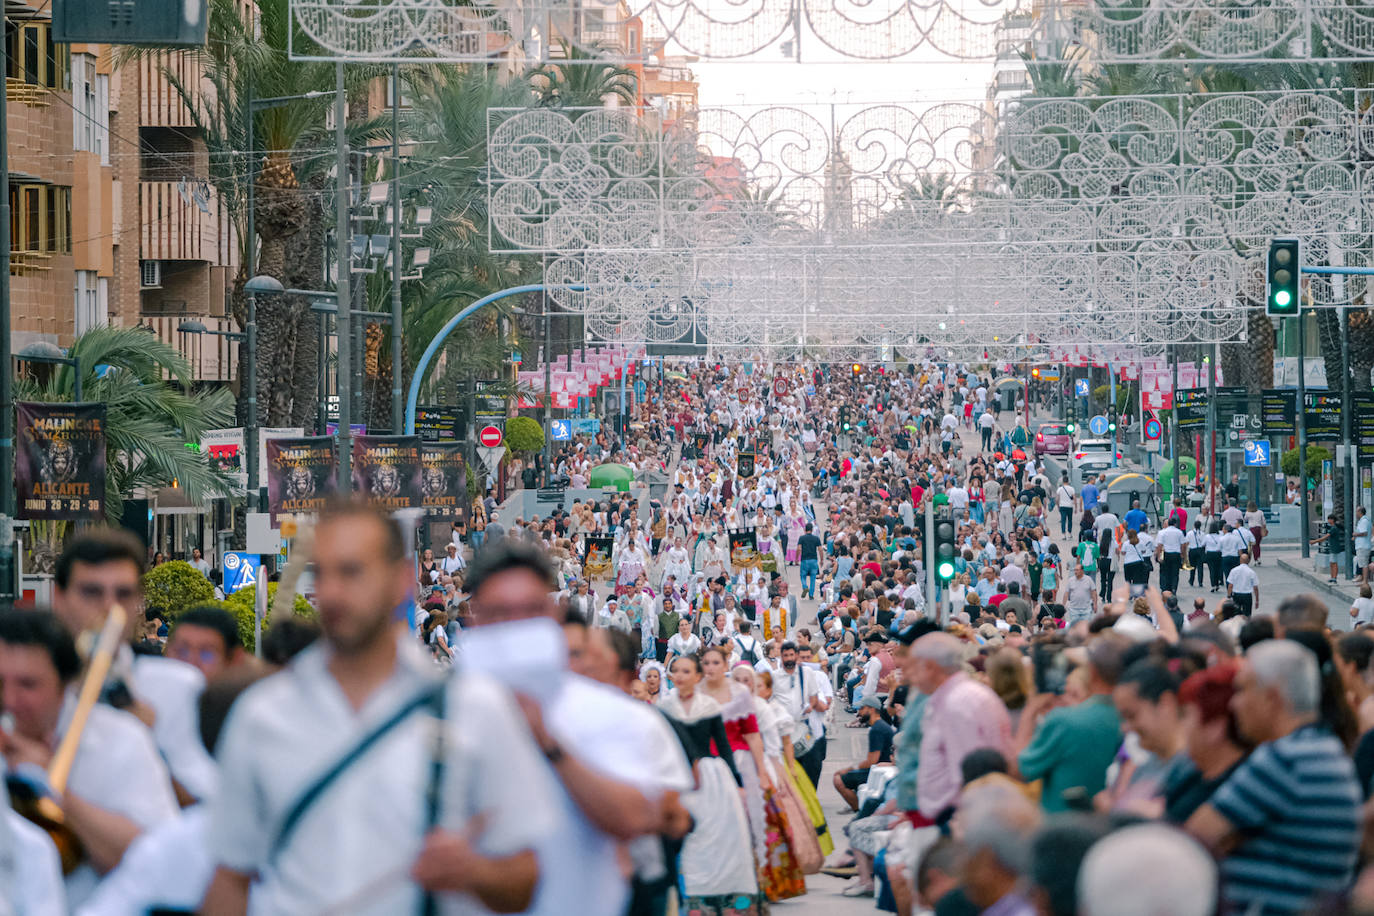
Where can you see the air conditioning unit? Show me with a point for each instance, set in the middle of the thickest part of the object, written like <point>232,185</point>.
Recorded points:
<point>151,274</point>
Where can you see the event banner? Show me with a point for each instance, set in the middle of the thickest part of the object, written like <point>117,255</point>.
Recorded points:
<point>744,548</point>
<point>386,471</point>
<point>444,481</point>
<point>701,441</point>
<point>59,461</point>
<point>1362,424</point>
<point>597,563</point>
<point>1322,414</point>
<point>224,450</point>
<point>1190,409</point>
<point>744,465</point>
<point>302,475</point>
<point>1279,411</point>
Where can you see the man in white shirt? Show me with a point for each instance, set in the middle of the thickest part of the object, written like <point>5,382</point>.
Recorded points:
<point>1169,547</point>
<point>312,823</point>
<point>958,501</point>
<point>1242,585</point>
<point>199,562</point>
<point>1064,499</point>
<point>805,693</point>
<point>615,759</point>
<point>986,421</point>
<point>102,567</point>
<point>118,785</point>
<point>453,561</point>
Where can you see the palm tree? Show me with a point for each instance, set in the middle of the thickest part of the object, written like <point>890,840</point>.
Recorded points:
<point>244,58</point>
<point>151,416</point>
<point>448,123</point>
<point>579,81</point>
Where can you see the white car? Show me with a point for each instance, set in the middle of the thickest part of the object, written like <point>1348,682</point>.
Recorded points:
<point>1092,456</point>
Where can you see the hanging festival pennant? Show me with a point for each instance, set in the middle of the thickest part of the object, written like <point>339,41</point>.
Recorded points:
<point>386,471</point>
<point>59,464</point>
<point>444,481</point>
<point>302,475</point>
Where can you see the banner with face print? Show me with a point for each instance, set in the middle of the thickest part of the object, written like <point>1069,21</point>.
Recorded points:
<point>302,475</point>
<point>59,461</point>
<point>597,563</point>
<point>444,481</point>
<point>744,548</point>
<point>386,471</point>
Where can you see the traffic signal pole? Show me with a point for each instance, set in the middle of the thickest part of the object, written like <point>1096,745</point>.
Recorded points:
<point>932,603</point>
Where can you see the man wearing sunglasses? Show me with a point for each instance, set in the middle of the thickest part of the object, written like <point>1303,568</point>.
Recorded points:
<point>103,567</point>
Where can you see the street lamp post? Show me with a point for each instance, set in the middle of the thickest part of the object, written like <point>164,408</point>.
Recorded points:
<point>43,352</point>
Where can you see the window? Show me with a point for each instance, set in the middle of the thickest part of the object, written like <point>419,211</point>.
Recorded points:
<point>91,107</point>
<point>40,218</point>
<point>34,58</point>
<point>92,301</point>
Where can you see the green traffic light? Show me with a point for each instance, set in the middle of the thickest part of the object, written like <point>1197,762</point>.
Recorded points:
<point>945,570</point>
<point>1282,298</point>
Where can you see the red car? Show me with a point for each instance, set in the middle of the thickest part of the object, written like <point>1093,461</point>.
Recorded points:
<point>1053,439</point>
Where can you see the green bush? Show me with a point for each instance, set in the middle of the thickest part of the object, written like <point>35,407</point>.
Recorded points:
<point>1316,454</point>
<point>524,435</point>
<point>240,604</point>
<point>174,586</point>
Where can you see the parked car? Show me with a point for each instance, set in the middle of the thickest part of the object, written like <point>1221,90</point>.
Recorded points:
<point>1053,439</point>
<point>1093,456</point>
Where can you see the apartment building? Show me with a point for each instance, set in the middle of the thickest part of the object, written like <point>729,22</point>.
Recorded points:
<point>111,221</point>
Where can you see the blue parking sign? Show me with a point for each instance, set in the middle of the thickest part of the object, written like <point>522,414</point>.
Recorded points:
<point>560,430</point>
<point>240,570</point>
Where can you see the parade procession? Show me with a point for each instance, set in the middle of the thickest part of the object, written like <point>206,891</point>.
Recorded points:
<point>627,458</point>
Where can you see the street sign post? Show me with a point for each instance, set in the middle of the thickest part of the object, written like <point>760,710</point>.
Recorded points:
<point>490,437</point>
<point>1080,387</point>
<point>1257,453</point>
<point>560,430</point>
<point>240,570</point>
<point>1098,425</point>
<point>490,456</point>
<point>1152,428</point>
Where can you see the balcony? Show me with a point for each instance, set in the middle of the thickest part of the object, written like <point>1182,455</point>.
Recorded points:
<point>159,104</point>
<point>181,221</point>
<point>213,358</point>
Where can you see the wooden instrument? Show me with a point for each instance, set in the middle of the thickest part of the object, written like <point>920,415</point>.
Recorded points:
<point>42,809</point>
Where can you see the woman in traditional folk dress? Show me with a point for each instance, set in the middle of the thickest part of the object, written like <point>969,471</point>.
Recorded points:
<point>717,874</point>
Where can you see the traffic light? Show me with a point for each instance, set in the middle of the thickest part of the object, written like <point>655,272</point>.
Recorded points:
<point>1281,277</point>
<point>1071,427</point>
<point>857,369</point>
<point>844,418</point>
<point>1111,426</point>
<point>1035,373</point>
<point>944,549</point>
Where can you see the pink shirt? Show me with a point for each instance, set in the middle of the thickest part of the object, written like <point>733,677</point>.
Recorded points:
<point>961,716</point>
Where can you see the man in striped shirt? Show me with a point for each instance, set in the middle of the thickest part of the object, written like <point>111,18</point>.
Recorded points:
<point>1287,822</point>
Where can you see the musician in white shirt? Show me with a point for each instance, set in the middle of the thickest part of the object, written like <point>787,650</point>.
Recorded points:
<point>365,842</point>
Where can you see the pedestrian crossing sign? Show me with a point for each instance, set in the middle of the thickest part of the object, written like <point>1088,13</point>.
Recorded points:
<point>560,430</point>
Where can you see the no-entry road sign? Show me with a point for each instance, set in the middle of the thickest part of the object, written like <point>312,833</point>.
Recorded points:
<point>490,436</point>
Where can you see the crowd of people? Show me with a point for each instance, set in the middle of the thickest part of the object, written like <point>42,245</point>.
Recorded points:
<point>624,707</point>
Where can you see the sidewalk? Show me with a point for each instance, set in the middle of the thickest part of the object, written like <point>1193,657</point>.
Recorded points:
<point>1290,560</point>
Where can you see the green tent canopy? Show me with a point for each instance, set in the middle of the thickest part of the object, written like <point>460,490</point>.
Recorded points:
<point>618,476</point>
